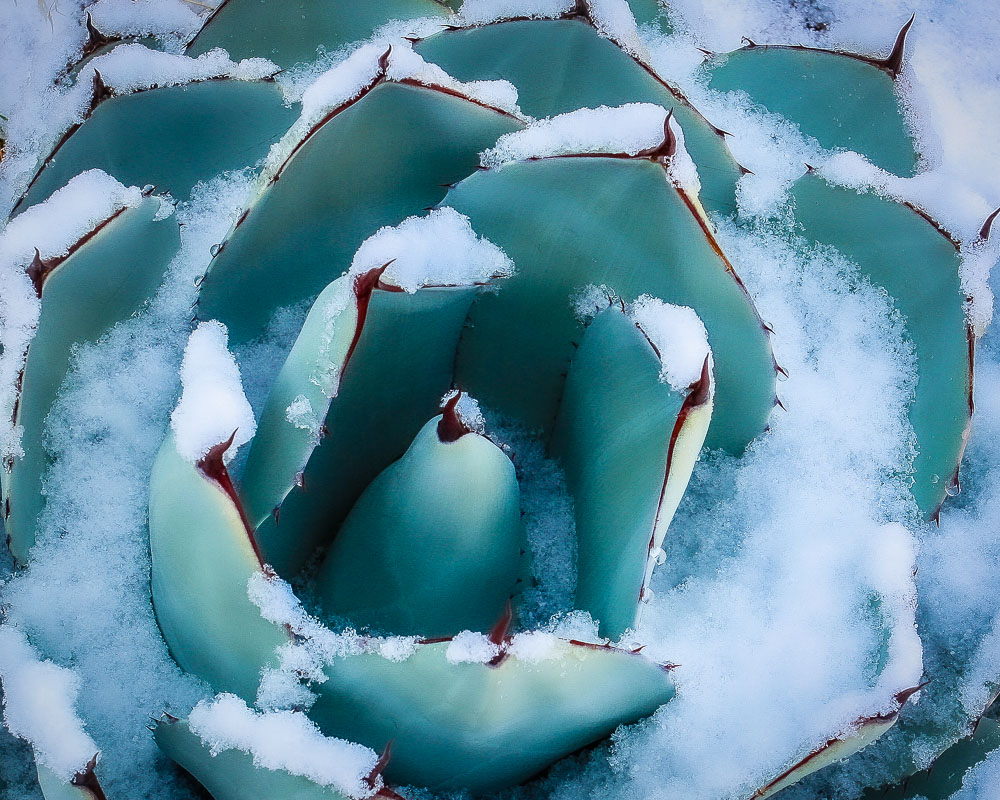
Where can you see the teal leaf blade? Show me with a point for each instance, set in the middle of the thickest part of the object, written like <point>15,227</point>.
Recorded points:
<point>432,547</point>
<point>171,137</point>
<point>843,101</point>
<point>621,224</point>
<point>919,268</point>
<point>559,66</point>
<point>480,727</point>
<point>289,31</point>
<point>203,556</point>
<point>303,230</point>
<point>401,362</point>
<point>628,441</point>
<point>103,281</point>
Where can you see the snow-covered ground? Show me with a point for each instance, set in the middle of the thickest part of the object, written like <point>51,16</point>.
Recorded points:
<point>772,556</point>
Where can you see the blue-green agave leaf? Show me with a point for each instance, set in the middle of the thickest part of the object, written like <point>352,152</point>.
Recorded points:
<point>844,101</point>
<point>366,372</point>
<point>330,195</point>
<point>559,66</point>
<point>569,223</point>
<point>944,777</point>
<point>203,554</point>
<point>866,731</point>
<point>104,278</point>
<point>231,774</point>
<point>433,545</point>
<point>628,441</point>
<point>290,31</point>
<point>483,727</point>
<point>653,13</point>
<point>171,137</point>
<point>901,250</point>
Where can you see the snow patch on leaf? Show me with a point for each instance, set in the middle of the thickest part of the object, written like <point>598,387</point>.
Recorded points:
<point>439,249</point>
<point>678,335</point>
<point>285,740</point>
<point>629,129</point>
<point>483,12</point>
<point>40,706</point>
<point>212,404</point>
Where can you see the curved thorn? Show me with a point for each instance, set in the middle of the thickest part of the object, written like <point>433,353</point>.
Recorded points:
<point>499,631</point>
<point>984,232</point>
<point>95,39</point>
<point>101,90</point>
<point>380,765</point>
<point>893,63</point>
<point>451,428</point>
<point>383,60</point>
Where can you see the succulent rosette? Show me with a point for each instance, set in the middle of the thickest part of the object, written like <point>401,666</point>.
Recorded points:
<point>402,328</point>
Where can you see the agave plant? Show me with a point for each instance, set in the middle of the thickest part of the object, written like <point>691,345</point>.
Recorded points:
<point>499,217</point>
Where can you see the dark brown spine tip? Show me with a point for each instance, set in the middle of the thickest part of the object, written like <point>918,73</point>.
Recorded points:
<point>38,270</point>
<point>893,63</point>
<point>101,90</point>
<point>95,39</point>
<point>451,428</point>
<point>666,149</point>
<point>499,631</point>
<point>984,232</point>
<point>749,42</point>
<point>87,780</point>
<point>581,10</point>
<point>211,464</point>
<point>383,60</point>
<point>700,390</point>
<point>367,282</point>
<point>906,694</point>
<point>380,765</point>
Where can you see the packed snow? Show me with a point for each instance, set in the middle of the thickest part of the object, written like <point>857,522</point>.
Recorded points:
<point>439,249</point>
<point>614,20</point>
<point>285,740</point>
<point>170,21</point>
<point>40,706</point>
<point>213,406</point>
